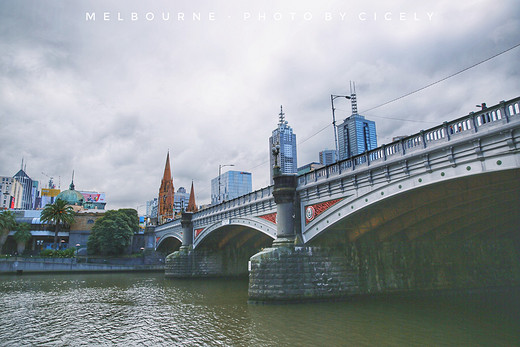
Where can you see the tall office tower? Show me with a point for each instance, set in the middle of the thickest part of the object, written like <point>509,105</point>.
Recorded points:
<point>356,134</point>
<point>232,185</point>
<point>165,207</point>
<point>181,199</point>
<point>27,185</point>
<point>328,157</point>
<point>10,193</point>
<point>284,137</point>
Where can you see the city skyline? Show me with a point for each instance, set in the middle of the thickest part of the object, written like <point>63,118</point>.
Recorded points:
<point>109,98</point>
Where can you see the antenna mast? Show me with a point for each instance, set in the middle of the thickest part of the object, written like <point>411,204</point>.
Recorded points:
<point>353,100</point>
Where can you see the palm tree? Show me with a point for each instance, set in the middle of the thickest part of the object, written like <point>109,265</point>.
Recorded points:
<point>58,213</point>
<point>21,236</point>
<point>7,223</point>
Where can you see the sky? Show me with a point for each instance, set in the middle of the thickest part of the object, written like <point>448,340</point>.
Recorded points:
<point>107,88</point>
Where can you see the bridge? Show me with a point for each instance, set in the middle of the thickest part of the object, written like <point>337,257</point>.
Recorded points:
<point>447,186</point>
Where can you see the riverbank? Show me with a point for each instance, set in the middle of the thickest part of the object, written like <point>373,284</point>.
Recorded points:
<point>19,265</point>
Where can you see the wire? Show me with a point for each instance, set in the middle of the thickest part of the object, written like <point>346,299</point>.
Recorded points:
<point>443,79</point>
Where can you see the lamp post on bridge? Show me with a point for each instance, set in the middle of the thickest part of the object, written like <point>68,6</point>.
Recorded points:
<point>219,173</point>
<point>332,98</point>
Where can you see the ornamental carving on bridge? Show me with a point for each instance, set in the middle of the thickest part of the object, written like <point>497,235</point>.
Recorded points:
<point>271,217</point>
<point>313,211</point>
<point>198,231</point>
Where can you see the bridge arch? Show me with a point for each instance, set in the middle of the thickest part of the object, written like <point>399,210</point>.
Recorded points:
<point>236,232</point>
<point>168,243</point>
<point>457,206</point>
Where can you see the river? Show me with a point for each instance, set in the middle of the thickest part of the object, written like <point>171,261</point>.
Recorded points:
<point>145,309</point>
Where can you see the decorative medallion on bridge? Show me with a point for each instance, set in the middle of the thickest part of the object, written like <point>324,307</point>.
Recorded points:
<point>313,211</point>
<point>198,231</point>
<point>271,217</point>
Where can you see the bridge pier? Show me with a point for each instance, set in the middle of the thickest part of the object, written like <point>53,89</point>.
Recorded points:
<point>290,272</point>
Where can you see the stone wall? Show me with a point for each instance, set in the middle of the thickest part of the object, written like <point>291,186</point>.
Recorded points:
<point>288,274</point>
<point>285,274</point>
<point>187,263</point>
<point>435,265</point>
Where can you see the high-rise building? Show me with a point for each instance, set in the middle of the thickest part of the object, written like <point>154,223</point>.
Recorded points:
<point>232,185</point>
<point>356,135</point>
<point>328,156</point>
<point>10,193</point>
<point>283,137</point>
<point>181,199</point>
<point>166,211</point>
<point>28,189</point>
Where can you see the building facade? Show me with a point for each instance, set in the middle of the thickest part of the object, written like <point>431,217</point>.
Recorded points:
<point>27,190</point>
<point>232,185</point>
<point>283,137</point>
<point>10,193</point>
<point>181,199</point>
<point>356,135</point>
<point>328,156</point>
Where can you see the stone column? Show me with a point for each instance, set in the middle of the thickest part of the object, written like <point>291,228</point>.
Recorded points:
<point>187,230</point>
<point>284,196</point>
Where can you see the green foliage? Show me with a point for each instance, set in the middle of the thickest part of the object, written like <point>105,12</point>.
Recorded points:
<point>58,213</point>
<point>23,233</point>
<point>7,223</point>
<point>112,234</point>
<point>60,253</point>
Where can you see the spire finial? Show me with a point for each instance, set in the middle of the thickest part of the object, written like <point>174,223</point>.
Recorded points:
<point>72,182</point>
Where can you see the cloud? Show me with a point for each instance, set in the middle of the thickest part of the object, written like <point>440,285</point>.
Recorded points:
<point>108,99</point>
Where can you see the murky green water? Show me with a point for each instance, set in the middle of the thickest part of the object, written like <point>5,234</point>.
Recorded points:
<point>147,310</point>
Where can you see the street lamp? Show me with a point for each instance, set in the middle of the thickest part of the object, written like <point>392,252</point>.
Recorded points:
<point>332,98</point>
<point>219,172</point>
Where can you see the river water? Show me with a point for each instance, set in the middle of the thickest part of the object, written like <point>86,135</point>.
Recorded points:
<point>145,309</point>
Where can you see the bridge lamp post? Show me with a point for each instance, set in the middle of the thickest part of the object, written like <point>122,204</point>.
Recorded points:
<point>332,98</point>
<point>219,173</point>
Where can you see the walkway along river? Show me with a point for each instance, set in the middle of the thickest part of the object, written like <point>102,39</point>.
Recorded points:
<point>145,309</point>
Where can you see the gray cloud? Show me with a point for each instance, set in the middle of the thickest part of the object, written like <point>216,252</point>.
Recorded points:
<point>110,98</point>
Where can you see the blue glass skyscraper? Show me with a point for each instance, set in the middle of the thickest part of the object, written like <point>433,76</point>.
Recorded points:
<point>356,136</point>
<point>286,139</point>
<point>232,185</point>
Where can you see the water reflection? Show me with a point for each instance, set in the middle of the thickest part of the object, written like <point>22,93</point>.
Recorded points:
<point>148,310</point>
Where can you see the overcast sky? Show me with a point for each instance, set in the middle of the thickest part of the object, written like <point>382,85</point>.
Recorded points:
<point>106,88</point>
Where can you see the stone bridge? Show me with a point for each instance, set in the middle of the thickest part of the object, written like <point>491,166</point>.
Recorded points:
<point>364,224</point>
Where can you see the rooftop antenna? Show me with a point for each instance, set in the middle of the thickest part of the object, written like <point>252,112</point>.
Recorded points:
<point>353,100</point>
<point>281,114</point>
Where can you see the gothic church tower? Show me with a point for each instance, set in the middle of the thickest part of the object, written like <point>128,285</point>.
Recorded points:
<point>166,191</point>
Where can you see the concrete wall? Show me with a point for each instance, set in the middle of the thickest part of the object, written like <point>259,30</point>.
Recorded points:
<point>18,265</point>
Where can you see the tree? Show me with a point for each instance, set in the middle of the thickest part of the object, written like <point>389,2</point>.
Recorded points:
<point>58,213</point>
<point>112,233</point>
<point>7,223</point>
<point>21,236</point>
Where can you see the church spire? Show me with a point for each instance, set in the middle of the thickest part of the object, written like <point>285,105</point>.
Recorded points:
<point>167,171</point>
<point>166,192</point>
<point>192,206</point>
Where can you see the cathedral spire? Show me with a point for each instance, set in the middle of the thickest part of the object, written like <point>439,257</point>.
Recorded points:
<point>167,171</point>
<point>192,206</point>
<point>166,192</point>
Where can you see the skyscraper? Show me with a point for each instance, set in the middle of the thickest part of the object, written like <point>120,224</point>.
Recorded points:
<point>28,189</point>
<point>232,185</point>
<point>328,156</point>
<point>284,137</point>
<point>356,135</point>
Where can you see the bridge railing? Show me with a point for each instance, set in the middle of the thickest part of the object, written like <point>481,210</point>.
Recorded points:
<point>255,202</point>
<point>469,124</point>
